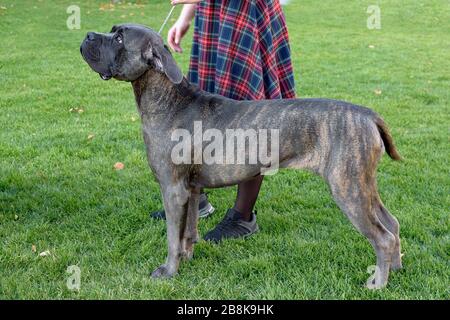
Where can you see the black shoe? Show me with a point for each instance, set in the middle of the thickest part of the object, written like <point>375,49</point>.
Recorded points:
<point>233,226</point>
<point>205,209</point>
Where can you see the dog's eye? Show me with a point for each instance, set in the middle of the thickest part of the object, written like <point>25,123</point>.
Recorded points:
<point>119,38</point>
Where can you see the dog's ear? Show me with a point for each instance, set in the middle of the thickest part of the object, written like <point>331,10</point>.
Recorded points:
<point>163,61</point>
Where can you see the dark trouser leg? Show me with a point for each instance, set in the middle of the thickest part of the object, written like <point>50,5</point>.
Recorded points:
<point>247,195</point>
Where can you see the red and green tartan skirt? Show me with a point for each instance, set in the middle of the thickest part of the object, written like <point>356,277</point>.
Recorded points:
<point>241,50</point>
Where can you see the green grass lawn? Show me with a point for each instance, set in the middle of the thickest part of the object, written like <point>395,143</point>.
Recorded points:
<point>59,191</point>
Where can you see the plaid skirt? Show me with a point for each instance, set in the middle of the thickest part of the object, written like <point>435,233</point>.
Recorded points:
<point>241,50</point>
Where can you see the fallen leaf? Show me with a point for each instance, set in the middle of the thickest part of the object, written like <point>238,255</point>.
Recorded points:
<point>16,217</point>
<point>119,166</point>
<point>91,136</point>
<point>44,253</point>
<point>76,110</point>
<point>106,6</point>
<point>33,248</point>
<point>378,92</point>
<point>371,46</point>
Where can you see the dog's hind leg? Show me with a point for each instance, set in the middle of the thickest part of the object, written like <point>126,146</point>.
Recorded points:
<point>391,223</point>
<point>190,236</point>
<point>352,183</point>
<point>358,208</point>
<point>176,206</point>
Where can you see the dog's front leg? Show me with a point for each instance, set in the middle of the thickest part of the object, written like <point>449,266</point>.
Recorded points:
<point>190,236</point>
<point>176,207</point>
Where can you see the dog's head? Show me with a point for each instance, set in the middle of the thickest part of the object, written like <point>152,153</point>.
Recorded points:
<point>127,52</point>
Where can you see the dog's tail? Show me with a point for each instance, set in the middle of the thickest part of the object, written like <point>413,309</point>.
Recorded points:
<point>389,145</point>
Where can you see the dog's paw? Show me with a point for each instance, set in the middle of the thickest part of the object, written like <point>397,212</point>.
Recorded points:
<point>396,266</point>
<point>188,254</point>
<point>375,284</point>
<point>396,262</point>
<point>162,272</point>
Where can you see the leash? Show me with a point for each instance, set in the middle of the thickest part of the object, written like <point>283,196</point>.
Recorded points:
<point>167,19</point>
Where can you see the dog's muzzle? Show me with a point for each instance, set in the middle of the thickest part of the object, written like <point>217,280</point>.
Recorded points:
<point>90,52</point>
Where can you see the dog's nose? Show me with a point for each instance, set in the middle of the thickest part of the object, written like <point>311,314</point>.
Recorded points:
<point>90,36</point>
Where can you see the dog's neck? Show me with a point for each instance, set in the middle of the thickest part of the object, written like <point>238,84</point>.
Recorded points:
<point>156,94</point>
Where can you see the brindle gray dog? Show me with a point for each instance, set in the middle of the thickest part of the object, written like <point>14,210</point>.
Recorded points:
<point>340,141</point>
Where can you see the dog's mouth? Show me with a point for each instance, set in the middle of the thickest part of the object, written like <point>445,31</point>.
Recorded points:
<point>92,57</point>
<point>105,77</point>
<point>110,73</point>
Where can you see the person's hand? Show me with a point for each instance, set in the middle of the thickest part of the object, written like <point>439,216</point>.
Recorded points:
<point>179,29</point>
<point>175,2</point>
<point>176,33</point>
